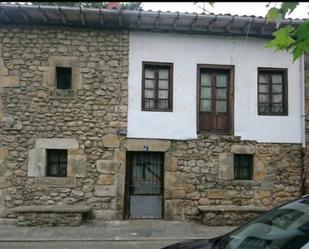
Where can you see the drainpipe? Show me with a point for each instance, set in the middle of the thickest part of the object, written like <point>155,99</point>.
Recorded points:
<point>303,119</point>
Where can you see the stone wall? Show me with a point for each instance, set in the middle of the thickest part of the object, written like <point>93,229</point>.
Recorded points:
<point>203,174</point>
<point>91,114</point>
<point>306,150</point>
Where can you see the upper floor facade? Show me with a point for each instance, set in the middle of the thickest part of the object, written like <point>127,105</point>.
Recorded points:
<point>183,85</point>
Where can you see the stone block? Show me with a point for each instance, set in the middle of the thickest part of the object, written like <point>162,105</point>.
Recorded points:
<point>55,182</point>
<point>9,81</point>
<point>108,166</point>
<point>106,179</point>
<point>170,163</point>
<point>105,190</point>
<point>174,193</point>
<point>152,144</point>
<point>174,210</point>
<point>243,149</point>
<point>106,214</point>
<point>2,182</point>
<point>56,143</point>
<point>1,108</point>
<point>3,153</point>
<point>111,141</point>
<point>3,71</point>
<point>174,180</point>
<point>77,165</point>
<point>226,166</point>
<point>259,171</point>
<point>268,186</point>
<point>216,194</point>
<point>36,162</point>
<point>262,194</point>
<point>2,169</point>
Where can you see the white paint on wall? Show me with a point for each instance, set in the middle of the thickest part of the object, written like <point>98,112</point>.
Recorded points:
<point>185,52</point>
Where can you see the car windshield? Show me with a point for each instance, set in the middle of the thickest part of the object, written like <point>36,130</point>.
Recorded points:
<point>286,227</point>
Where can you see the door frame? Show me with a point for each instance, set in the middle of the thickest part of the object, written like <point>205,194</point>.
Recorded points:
<point>126,211</point>
<point>230,97</point>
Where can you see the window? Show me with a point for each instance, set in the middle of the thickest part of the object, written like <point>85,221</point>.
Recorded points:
<point>215,101</point>
<point>57,162</point>
<point>64,77</point>
<point>243,166</point>
<point>272,91</point>
<point>157,87</point>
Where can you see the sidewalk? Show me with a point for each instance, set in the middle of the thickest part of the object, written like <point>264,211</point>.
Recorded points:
<point>129,230</point>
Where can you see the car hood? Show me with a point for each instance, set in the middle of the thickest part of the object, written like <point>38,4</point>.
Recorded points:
<point>191,244</point>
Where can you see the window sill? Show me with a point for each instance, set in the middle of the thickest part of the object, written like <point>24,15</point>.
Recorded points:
<point>55,182</point>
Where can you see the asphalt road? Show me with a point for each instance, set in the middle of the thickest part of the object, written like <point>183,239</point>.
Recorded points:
<point>87,244</point>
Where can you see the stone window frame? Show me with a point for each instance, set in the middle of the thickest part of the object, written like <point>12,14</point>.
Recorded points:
<point>226,164</point>
<point>37,163</point>
<point>249,159</point>
<point>50,78</point>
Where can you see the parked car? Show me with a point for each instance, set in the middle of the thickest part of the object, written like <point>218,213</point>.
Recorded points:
<point>284,227</point>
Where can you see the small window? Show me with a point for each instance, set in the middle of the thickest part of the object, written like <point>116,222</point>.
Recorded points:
<point>64,77</point>
<point>157,87</point>
<point>272,91</point>
<point>243,165</point>
<point>57,161</point>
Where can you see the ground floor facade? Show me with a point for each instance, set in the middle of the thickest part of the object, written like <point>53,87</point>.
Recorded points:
<point>215,179</point>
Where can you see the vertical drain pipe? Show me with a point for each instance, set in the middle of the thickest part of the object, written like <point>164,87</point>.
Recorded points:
<point>303,122</point>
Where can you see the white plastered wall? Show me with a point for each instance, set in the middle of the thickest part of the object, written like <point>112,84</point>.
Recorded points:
<point>185,52</point>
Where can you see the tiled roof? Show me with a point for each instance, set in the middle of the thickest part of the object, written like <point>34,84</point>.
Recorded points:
<point>223,24</point>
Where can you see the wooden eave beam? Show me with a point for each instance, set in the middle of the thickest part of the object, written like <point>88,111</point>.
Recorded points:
<point>82,16</point>
<point>245,28</point>
<point>139,19</point>
<point>101,18</point>
<point>120,18</point>
<point>262,27</point>
<point>64,21</point>
<point>176,21</point>
<point>23,13</point>
<point>43,14</point>
<point>157,23</point>
<point>229,25</point>
<point>193,23</point>
<point>211,24</point>
<point>5,15</point>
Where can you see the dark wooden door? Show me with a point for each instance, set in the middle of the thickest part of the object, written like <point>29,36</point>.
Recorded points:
<point>144,185</point>
<point>214,95</point>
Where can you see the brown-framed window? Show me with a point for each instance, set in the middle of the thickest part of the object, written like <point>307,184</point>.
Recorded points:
<point>272,91</point>
<point>243,166</point>
<point>57,161</point>
<point>157,92</point>
<point>215,98</point>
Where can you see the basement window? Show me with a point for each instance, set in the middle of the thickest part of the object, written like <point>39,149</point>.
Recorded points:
<point>243,166</point>
<point>64,78</point>
<point>57,161</point>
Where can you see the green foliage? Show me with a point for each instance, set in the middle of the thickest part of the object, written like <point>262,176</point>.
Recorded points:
<point>283,39</point>
<point>123,5</point>
<point>295,40</point>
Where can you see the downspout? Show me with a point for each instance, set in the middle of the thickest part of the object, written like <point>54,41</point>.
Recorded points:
<point>303,117</point>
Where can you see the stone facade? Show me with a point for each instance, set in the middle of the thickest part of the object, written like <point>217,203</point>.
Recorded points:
<point>89,122</point>
<point>204,174</point>
<point>34,117</point>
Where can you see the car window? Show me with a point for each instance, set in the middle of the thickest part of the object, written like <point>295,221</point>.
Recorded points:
<point>286,227</point>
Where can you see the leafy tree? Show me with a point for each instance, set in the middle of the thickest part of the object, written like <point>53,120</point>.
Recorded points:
<point>292,39</point>
<point>123,5</point>
<point>288,38</point>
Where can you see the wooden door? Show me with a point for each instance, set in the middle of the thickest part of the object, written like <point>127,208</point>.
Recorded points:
<point>214,100</point>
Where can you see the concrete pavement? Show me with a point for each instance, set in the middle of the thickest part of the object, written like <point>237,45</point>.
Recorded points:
<point>137,234</point>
